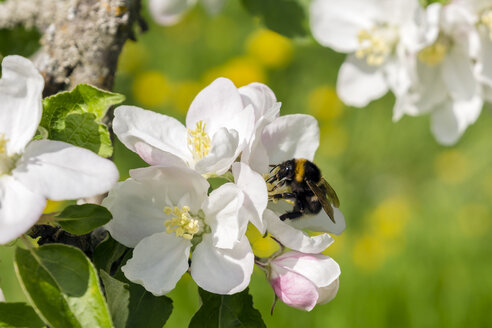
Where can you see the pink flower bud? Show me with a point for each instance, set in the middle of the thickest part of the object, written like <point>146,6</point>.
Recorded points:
<point>304,280</point>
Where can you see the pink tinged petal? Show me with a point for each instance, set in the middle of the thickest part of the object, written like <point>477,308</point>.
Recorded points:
<point>169,12</point>
<point>155,156</point>
<point>255,194</point>
<point>320,222</point>
<point>293,289</point>
<point>21,88</point>
<point>137,204</point>
<point>158,262</point>
<point>294,238</point>
<point>216,105</point>
<point>222,155</point>
<point>133,125</point>
<point>262,98</point>
<point>222,215</point>
<point>336,24</point>
<point>320,269</point>
<point>359,83</point>
<point>58,170</point>
<point>20,208</point>
<point>291,136</point>
<point>328,293</point>
<point>222,271</point>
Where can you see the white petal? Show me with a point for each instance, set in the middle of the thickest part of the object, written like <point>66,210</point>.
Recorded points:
<point>2,298</point>
<point>20,209</point>
<point>291,136</point>
<point>21,88</point>
<point>328,293</point>
<point>213,6</point>
<point>222,215</point>
<point>359,83</point>
<point>222,271</point>
<point>322,270</point>
<point>336,24</point>
<point>255,193</point>
<point>137,204</point>
<point>222,155</point>
<point>294,238</point>
<point>262,98</point>
<point>158,262</point>
<point>320,222</point>
<point>457,73</point>
<point>155,156</point>
<point>486,54</point>
<point>58,170</point>
<point>132,125</point>
<point>216,105</point>
<point>169,12</point>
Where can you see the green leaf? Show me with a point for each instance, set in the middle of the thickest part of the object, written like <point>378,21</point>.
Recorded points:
<point>82,219</point>
<point>63,286</point>
<point>75,117</point>
<point>118,297</point>
<point>18,315</point>
<point>286,17</point>
<point>108,252</point>
<point>147,310</point>
<point>226,311</point>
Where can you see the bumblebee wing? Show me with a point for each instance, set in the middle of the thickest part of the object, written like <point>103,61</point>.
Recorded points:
<point>330,192</point>
<point>325,203</point>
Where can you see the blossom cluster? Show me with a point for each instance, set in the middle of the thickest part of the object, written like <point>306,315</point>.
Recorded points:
<point>436,59</point>
<point>176,223</point>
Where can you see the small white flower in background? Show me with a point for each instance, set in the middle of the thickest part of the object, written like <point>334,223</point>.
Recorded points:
<point>165,214</point>
<point>31,171</point>
<point>304,280</point>
<point>376,34</point>
<point>219,126</point>
<point>288,137</point>
<point>2,298</point>
<point>444,75</point>
<point>169,12</point>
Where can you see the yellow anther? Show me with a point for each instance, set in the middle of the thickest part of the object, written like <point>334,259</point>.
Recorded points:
<point>434,54</point>
<point>486,19</point>
<point>199,141</point>
<point>6,162</point>
<point>374,46</point>
<point>3,143</point>
<point>182,223</point>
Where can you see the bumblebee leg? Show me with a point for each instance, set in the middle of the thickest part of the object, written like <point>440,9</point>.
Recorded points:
<point>285,195</point>
<point>291,215</point>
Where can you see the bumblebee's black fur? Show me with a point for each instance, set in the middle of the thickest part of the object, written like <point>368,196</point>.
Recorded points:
<point>301,176</point>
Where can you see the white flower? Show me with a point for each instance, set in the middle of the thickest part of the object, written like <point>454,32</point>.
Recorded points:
<point>31,171</point>
<point>2,298</point>
<point>376,34</point>
<point>169,12</point>
<point>444,75</point>
<point>304,280</point>
<point>218,127</point>
<point>165,213</point>
<point>288,137</point>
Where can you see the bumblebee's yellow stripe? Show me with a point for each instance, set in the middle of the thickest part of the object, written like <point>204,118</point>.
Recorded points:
<point>300,163</point>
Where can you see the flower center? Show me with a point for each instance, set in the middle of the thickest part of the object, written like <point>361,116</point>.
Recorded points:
<point>486,19</point>
<point>375,44</point>
<point>199,141</point>
<point>6,162</point>
<point>276,188</point>
<point>182,223</point>
<point>434,54</point>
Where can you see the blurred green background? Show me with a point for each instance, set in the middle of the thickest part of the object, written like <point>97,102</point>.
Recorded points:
<point>416,252</point>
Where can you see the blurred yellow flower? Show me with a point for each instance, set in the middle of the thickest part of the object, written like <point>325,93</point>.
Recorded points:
<point>474,220</point>
<point>451,166</point>
<point>337,246</point>
<point>271,49</point>
<point>334,140</point>
<point>324,103</point>
<point>262,247</point>
<point>151,88</point>
<point>53,206</point>
<point>132,56</point>
<point>390,217</point>
<point>241,70</point>
<point>369,252</point>
<point>184,93</point>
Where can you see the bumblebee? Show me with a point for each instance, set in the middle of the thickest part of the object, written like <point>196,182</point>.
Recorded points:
<point>300,181</point>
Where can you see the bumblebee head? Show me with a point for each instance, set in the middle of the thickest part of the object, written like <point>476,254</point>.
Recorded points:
<point>286,170</point>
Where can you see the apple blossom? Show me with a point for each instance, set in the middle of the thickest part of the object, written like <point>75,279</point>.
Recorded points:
<point>166,214</point>
<point>219,126</point>
<point>304,280</point>
<point>32,171</point>
<point>287,137</point>
<point>169,12</point>
<point>2,298</point>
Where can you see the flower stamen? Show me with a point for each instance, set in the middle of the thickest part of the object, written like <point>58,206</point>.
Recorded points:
<point>374,46</point>
<point>435,53</point>
<point>199,141</point>
<point>182,223</point>
<point>486,19</point>
<point>6,162</point>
